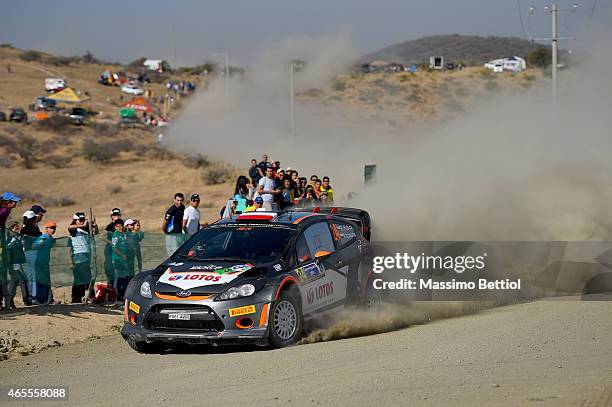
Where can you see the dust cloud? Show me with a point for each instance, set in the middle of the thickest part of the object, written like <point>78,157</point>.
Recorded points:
<point>512,168</point>
<point>351,323</point>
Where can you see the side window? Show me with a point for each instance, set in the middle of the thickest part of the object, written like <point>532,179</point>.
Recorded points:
<point>301,250</point>
<point>317,237</point>
<point>343,233</point>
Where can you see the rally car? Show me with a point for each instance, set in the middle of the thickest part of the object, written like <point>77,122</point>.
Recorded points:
<point>251,278</point>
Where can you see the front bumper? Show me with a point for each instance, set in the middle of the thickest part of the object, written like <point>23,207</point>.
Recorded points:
<point>242,320</point>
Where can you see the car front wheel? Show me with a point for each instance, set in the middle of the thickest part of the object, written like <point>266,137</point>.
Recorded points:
<point>286,320</point>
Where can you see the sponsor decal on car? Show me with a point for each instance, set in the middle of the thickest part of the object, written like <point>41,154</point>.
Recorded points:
<point>134,307</point>
<point>310,272</point>
<point>188,278</point>
<point>206,267</point>
<point>249,309</point>
<point>320,293</point>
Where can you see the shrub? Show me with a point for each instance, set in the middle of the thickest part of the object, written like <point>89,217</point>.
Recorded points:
<point>413,98</point>
<point>161,152</point>
<point>57,60</point>
<point>540,57</point>
<point>27,147</point>
<point>453,105</point>
<point>31,56</point>
<point>196,161</point>
<point>313,93</point>
<point>45,200</point>
<point>105,129</point>
<point>6,45</point>
<point>103,152</point>
<point>486,73</point>
<point>529,78</point>
<point>58,161</point>
<point>61,124</point>
<point>6,162</point>
<point>115,189</point>
<point>7,141</point>
<point>339,86</point>
<point>217,173</point>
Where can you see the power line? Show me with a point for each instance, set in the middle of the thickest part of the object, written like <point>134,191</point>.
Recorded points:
<point>592,11</point>
<point>520,13</point>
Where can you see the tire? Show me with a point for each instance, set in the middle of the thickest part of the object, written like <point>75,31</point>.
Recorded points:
<point>143,346</point>
<point>286,320</point>
<point>373,300</point>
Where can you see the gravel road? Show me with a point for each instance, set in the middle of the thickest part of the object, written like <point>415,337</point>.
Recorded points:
<point>548,352</point>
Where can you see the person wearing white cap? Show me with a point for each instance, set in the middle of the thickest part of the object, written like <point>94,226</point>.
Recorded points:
<point>133,241</point>
<point>80,253</point>
<point>30,233</point>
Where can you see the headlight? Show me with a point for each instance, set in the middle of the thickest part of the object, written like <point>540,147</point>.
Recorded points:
<point>241,291</point>
<point>145,290</point>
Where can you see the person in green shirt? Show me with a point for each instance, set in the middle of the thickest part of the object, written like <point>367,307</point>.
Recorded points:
<point>120,248</point>
<point>133,246</point>
<point>108,248</point>
<point>140,235</point>
<point>80,254</point>
<point>16,259</point>
<point>43,246</point>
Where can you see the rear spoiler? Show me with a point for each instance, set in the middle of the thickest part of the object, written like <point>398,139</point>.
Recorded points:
<point>359,216</point>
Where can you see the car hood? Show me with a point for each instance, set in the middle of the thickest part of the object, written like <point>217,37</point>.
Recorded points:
<point>203,277</point>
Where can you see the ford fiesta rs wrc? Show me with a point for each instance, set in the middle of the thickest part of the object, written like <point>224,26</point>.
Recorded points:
<point>252,278</point>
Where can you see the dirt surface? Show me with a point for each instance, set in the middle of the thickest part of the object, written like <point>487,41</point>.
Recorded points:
<point>546,353</point>
<point>34,329</point>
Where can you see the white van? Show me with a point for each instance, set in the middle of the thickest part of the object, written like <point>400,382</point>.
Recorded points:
<point>55,84</point>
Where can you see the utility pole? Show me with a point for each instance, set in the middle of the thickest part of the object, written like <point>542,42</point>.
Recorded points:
<point>227,78</point>
<point>554,10</point>
<point>173,46</point>
<point>292,98</point>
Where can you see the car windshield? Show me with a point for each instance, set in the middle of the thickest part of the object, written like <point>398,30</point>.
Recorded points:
<point>237,242</point>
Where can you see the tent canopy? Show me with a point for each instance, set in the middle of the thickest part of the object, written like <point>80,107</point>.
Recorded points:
<point>127,112</point>
<point>67,95</point>
<point>141,104</point>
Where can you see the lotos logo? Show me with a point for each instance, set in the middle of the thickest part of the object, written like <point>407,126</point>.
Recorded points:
<point>310,296</point>
<point>183,293</point>
<point>199,277</point>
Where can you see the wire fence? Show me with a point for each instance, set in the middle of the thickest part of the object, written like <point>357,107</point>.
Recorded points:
<point>152,250</point>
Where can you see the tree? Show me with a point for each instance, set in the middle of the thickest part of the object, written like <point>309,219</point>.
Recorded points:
<point>540,57</point>
<point>138,63</point>
<point>165,65</point>
<point>88,58</point>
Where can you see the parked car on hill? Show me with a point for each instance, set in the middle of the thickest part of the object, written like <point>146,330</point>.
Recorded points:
<point>132,90</point>
<point>78,115</point>
<point>18,115</point>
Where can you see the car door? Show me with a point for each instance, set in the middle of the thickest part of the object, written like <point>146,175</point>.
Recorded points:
<point>322,288</point>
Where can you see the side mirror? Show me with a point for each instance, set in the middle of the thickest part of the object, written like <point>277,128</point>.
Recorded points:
<point>321,254</point>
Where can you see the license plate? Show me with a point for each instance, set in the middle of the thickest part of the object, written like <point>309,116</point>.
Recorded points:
<point>185,317</point>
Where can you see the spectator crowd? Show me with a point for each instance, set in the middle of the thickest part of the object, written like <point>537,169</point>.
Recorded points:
<point>26,245</point>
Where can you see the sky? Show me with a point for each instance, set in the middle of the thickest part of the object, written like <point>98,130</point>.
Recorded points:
<point>197,31</point>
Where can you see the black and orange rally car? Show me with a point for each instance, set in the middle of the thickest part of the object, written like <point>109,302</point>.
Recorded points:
<point>251,278</point>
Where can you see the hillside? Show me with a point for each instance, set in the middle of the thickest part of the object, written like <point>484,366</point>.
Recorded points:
<point>70,168</point>
<point>400,99</point>
<point>469,49</point>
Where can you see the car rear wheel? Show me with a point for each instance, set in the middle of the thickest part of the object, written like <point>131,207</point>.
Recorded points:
<point>144,346</point>
<point>373,300</point>
<point>286,320</point>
